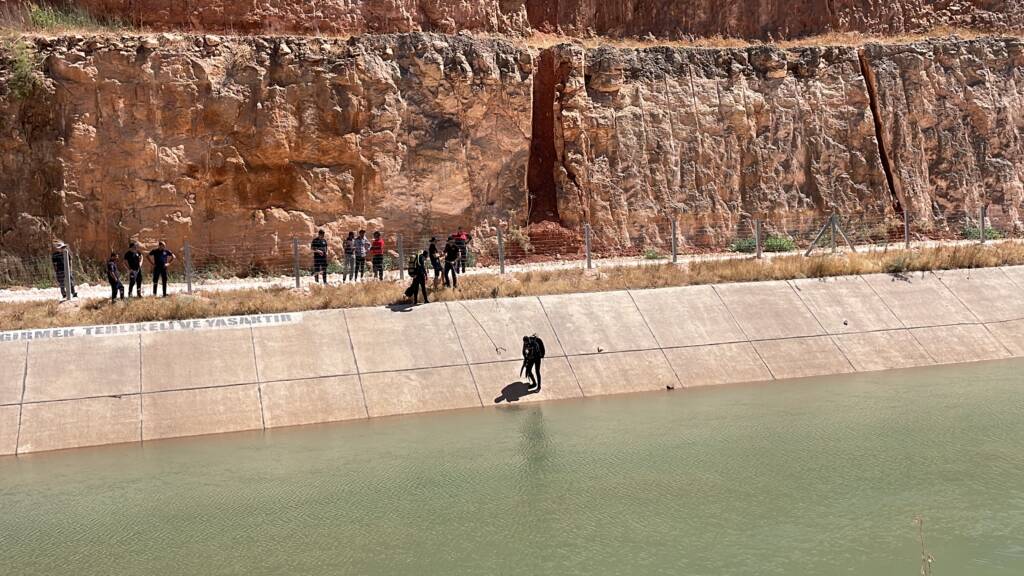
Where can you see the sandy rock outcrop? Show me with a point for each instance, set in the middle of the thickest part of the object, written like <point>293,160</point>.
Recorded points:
<point>952,125</point>
<point>239,145</point>
<point>750,19</point>
<point>710,139</point>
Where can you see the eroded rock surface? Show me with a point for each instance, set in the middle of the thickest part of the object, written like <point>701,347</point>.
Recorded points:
<point>240,145</point>
<point>751,19</point>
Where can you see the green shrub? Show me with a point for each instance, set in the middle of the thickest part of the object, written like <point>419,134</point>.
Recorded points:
<point>25,77</point>
<point>772,243</point>
<point>972,232</point>
<point>653,254</point>
<point>67,17</point>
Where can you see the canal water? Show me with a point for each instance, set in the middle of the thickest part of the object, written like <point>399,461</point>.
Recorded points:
<point>805,477</point>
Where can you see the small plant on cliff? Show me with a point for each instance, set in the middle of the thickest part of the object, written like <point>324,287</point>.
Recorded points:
<point>653,254</point>
<point>972,232</point>
<point>25,77</point>
<point>68,17</point>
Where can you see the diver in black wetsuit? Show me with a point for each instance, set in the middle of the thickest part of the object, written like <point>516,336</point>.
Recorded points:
<point>533,353</point>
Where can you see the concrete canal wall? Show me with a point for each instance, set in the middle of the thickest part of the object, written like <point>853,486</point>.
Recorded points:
<point>88,386</point>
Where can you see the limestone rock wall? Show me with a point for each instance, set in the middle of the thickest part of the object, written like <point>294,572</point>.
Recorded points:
<point>751,19</point>
<point>952,123</point>
<point>251,141</point>
<point>712,138</point>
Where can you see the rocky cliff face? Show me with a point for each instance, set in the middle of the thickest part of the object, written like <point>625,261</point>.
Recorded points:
<point>751,19</point>
<point>952,126</point>
<point>241,144</point>
<point>248,142</point>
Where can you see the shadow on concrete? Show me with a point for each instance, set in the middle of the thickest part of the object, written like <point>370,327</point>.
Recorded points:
<point>514,391</point>
<point>401,307</point>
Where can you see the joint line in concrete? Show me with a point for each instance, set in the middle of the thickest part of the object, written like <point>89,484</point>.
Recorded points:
<point>355,360</point>
<point>661,348</point>
<point>900,320</point>
<point>831,337</point>
<point>978,318</point>
<point>749,340</point>
<point>141,435</point>
<point>21,403</point>
<point>559,341</point>
<point>465,357</point>
<point>259,385</point>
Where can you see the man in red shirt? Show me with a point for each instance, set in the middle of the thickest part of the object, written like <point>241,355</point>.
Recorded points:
<point>377,253</point>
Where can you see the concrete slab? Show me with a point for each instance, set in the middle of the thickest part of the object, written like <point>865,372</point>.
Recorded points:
<point>69,368</point>
<point>846,304</point>
<point>987,292</point>
<point>202,411</point>
<point>717,364</point>
<point>486,324</point>
<point>197,359</point>
<point>557,383</point>
<point>883,350</point>
<point>316,347</point>
<point>299,402</point>
<point>919,300</point>
<point>1015,273</point>
<point>803,357</point>
<point>1010,335</point>
<point>623,372</point>
<point>768,310</point>
<point>958,344</point>
<point>9,429</point>
<point>405,339</point>
<point>79,423</point>
<point>12,378</point>
<point>411,391</point>
<point>687,316</point>
<point>605,321</point>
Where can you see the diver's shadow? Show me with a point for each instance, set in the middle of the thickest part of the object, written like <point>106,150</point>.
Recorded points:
<point>514,391</point>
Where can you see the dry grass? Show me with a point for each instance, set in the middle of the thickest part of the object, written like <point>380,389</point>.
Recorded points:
<point>14,316</point>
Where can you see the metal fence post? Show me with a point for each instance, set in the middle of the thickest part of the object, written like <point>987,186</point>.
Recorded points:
<point>675,242</point>
<point>501,252</point>
<point>981,224</point>
<point>586,243</point>
<point>401,258</point>
<point>188,266</point>
<point>295,251</point>
<point>906,227</point>
<point>68,288</point>
<point>757,238</point>
<point>832,231</point>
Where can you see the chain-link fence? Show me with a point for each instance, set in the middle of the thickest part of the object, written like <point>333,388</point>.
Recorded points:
<point>290,261</point>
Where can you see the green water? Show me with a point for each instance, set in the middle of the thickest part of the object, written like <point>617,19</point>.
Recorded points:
<point>817,476</point>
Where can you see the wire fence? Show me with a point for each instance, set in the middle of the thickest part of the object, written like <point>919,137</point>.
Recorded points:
<point>290,260</point>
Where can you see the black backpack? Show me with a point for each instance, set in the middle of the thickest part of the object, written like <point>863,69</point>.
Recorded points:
<point>538,347</point>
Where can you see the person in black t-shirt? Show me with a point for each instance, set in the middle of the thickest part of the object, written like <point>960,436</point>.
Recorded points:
<point>451,264</point>
<point>160,258</point>
<point>133,258</point>
<point>319,246</point>
<point>57,259</point>
<point>114,277</point>
<point>435,260</point>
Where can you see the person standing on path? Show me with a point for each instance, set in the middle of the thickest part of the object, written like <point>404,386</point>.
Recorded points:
<point>350,257</point>
<point>134,260</point>
<point>533,353</point>
<point>377,255</point>
<point>461,241</point>
<point>360,248</point>
<point>451,264</point>
<point>319,246</point>
<point>114,277</point>
<point>160,258</point>
<point>419,278</point>
<point>435,260</point>
<point>57,258</point>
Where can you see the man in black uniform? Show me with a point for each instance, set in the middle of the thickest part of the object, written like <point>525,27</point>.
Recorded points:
<point>419,278</point>
<point>533,353</point>
<point>57,258</point>
<point>451,264</point>
<point>134,260</point>
<point>435,260</point>
<point>114,277</point>
<point>160,258</point>
<point>319,246</point>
